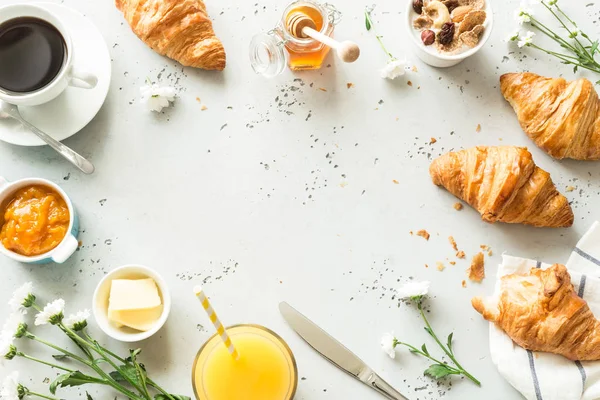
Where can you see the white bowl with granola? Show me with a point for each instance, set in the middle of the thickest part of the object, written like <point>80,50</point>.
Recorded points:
<point>445,32</point>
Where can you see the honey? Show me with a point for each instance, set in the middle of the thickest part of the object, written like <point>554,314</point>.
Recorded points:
<point>310,56</point>
<point>272,51</point>
<point>35,221</point>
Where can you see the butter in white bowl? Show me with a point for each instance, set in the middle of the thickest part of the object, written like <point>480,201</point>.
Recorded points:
<point>134,303</point>
<point>131,303</point>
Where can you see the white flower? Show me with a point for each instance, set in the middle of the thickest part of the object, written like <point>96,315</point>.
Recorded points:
<point>513,36</point>
<point>51,314</point>
<point>22,298</point>
<point>11,389</point>
<point>77,321</point>
<point>387,344</point>
<point>14,326</point>
<point>523,15</point>
<point>526,40</point>
<point>394,69</point>
<point>155,97</point>
<point>413,289</point>
<point>7,348</point>
<point>574,32</point>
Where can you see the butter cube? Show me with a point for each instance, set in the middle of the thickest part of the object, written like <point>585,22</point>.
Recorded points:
<point>134,303</point>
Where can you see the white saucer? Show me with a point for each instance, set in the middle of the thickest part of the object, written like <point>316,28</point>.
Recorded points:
<point>74,108</point>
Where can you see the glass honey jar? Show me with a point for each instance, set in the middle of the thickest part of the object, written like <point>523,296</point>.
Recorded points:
<point>271,51</point>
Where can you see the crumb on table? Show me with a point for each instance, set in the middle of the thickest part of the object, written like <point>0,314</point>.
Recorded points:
<point>570,188</point>
<point>460,254</point>
<point>440,266</point>
<point>458,206</point>
<point>349,85</point>
<point>464,283</point>
<point>478,129</point>
<point>424,234</point>
<point>477,268</point>
<point>453,243</point>
<point>433,140</point>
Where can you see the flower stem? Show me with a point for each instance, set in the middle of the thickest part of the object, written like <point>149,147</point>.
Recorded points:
<point>44,362</point>
<point>448,352</point>
<point>416,350</point>
<point>30,393</point>
<point>582,48</point>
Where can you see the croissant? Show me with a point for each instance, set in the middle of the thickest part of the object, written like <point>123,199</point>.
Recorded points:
<point>562,118</point>
<point>503,184</point>
<point>540,311</point>
<point>179,29</point>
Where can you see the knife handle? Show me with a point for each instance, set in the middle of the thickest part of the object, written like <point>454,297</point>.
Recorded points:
<point>384,388</point>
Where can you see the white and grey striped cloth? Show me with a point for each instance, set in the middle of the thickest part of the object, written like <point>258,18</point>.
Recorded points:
<point>545,376</point>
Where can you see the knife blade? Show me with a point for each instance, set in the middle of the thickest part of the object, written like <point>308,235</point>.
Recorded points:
<point>336,352</point>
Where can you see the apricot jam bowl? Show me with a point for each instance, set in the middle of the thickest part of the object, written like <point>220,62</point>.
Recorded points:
<point>38,223</point>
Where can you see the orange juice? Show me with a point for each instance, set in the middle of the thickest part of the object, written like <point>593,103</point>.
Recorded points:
<point>265,370</point>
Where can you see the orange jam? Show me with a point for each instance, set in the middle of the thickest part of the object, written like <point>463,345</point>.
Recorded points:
<point>309,56</point>
<point>36,220</point>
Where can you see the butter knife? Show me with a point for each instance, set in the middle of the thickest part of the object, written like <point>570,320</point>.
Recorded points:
<point>336,353</point>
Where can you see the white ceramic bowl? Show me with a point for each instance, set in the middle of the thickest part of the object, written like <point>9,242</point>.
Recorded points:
<point>102,293</point>
<point>430,55</point>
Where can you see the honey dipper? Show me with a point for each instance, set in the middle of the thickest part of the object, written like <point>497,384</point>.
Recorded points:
<point>302,26</point>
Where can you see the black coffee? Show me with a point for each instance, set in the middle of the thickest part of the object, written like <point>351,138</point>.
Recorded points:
<point>32,53</point>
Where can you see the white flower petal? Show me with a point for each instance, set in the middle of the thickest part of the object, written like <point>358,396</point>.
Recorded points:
<point>76,319</point>
<point>51,310</point>
<point>19,296</point>
<point>6,342</point>
<point>527,39</point>
<point>387,344</point>
<point>413,289</point>
<point>12,325</point>
<point>155,97</point>
<point>394,69</point>
<point>10,387</point>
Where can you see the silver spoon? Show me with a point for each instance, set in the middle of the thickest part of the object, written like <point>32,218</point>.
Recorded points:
<point>12,111</point>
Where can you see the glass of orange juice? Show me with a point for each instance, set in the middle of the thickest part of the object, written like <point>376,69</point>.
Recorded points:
<point>265,369</point>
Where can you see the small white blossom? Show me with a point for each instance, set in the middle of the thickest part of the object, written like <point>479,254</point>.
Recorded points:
<point>413,289</point>
<point>387,344</point>
<point>7,348</point>
<point>523,15</point>
<point>394,69</point>
<point>11,389</point>
<point>526,40</point>
<point>51,314</point>
<point>14,325</point>
<point>155,97</point>
<point>574,33</point>
<point>22,298</point>
<point>77,321</point>
<point>513,36</point>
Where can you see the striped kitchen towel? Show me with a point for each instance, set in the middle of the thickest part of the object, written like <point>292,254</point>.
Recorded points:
<point>545,376</point>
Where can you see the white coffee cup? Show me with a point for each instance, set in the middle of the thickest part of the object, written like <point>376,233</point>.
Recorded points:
<point>68,74</point>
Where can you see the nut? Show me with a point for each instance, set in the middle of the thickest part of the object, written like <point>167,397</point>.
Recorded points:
<point>451,4</point>
<point>438,12</point>
<point>418,6</point>
<point>446,35</point>
<point>459,13</point>
<point>428,37</point>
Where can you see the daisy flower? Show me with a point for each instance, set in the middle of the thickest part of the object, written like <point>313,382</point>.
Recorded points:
<point>388,344</point>
<point>526,40</point>
<point>514,36</point>
<point>393,69</point>
<point>51,314</point>
<point>14,326</point>
<point>523,15</point>
<point>77,321</point>
<point>413,289</point>
<point>8,351</point>
<point>155,97</point>
<point>22,298</point>
<point>11,388</point>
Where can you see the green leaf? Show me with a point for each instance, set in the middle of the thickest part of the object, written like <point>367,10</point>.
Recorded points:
<point>428,331</point>
<point>413,350</point>
<point>127,373</point>
<point>449,342</point>
<point>133,354</point>
<point>575,68</point>
<point>59,356</point>
<point>88,397</point>
<point>438,371</point>
<point>424,349</point>
<point>597,82</point>
<point>75,378</point>
<point>161,396</point>
<point>367,21</point>
<point>594,47</point>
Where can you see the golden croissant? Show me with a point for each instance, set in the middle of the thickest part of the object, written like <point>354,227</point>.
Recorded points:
<point>540,311</point>
<point>178,29</point>
<point>562,118</point>
<point>503,184</point>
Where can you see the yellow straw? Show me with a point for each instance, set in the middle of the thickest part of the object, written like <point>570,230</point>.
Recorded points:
<point>215,320</point>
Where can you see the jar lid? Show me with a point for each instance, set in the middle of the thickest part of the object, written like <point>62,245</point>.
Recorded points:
<point>268,56</point>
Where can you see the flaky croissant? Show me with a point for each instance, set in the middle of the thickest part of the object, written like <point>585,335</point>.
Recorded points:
<point>179,29</point>
<point>562,118</point>
<point>540,311</point>
<point>503,184</point>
